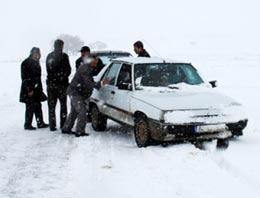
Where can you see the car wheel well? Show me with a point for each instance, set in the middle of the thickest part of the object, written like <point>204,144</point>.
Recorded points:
<point>139,114</point>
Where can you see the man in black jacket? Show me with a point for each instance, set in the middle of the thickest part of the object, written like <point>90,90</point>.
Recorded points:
<point>139,49</point>
<point>58,72</point>
<point>79,91</point>
<point>85,52</point>
<point>31,90</point>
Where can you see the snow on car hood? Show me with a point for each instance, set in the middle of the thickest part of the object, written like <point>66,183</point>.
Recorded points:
<point>184,97</point>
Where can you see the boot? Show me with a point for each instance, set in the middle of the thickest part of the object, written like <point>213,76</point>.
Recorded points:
<point>53,129</point>
<point>67,132</point>
<point>43,125</point>
<point>81,134</point>
<point>30,128</point>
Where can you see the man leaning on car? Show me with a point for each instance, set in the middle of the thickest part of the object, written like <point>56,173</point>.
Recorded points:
<point>79,91</point>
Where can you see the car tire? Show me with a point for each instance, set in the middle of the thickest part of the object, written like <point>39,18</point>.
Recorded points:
<point>222,144</point>
<point>142,132</point>
<point>98,120</point>
<point>200,145</point>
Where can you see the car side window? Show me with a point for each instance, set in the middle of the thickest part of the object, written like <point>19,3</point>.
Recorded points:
<point>124,80</point>
<point>111,74</point>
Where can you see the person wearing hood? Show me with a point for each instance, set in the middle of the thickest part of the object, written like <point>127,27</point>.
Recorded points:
<point>79,91</point>
<point>139,50</point>
<point>58,72</point>
<point>31,90</point>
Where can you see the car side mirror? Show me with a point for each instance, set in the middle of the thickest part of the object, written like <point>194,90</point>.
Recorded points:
<point>125,86</point>
<point>213,83</point>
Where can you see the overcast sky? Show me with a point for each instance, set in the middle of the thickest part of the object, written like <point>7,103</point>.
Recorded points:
<point>27,23</point>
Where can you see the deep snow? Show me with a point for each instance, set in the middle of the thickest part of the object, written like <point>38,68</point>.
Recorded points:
<point>48,164</point>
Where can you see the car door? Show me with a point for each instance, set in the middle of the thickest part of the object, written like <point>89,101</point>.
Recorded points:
<point>106,92</point>
<point>122,95</point>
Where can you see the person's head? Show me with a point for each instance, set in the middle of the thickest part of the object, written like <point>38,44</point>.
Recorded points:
<point>35,53</point>
<point>138,47</point>
<point>58,45</point>
<point>91,60</point>
<point>85,51</point>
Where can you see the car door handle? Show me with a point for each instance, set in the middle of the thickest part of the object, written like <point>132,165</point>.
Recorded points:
<point>113,92</point>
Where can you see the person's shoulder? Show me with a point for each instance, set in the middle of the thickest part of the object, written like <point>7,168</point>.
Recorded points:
<point>85,69</point>
<point>27,61</point>
<point>79,60</point>
<point>65,55</point>
<point>51,54</point>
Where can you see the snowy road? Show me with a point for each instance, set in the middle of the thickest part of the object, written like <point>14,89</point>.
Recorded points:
<point>48,164</point>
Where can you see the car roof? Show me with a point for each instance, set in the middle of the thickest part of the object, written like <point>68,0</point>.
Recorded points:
<point>144,60</point>
<point>110,52</point>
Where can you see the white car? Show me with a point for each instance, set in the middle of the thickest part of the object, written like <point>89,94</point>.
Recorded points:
<point>164,101</point>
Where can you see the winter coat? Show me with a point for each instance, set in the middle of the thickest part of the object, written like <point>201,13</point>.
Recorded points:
<point>58,69</point>
<point>83,83</point>
<point>144,53</point>
<point>79,62</point>
<point>31,81</point>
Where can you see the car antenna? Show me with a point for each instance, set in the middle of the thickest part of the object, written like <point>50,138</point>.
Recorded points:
<point>154,50</point>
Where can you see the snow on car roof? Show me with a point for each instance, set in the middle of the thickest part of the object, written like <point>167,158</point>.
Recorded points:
<point>142,60</point>
<point>110,52</point>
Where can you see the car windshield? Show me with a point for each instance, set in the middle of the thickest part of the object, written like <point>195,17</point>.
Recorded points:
<point>165,75</point>
<point>106,58</point>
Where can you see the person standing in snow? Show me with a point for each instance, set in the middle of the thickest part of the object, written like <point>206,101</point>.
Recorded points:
<point>58,72</point>
<point>31,90</point>
<point>85,52</point>
<point>139,49</point>
<point>79,91</point>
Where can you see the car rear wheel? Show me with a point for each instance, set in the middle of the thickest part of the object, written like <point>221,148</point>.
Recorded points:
<point>142,133</point>
<point>222,144</point>
<point>99,121</point>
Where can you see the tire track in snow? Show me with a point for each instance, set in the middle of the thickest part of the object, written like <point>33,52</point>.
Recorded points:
<point>231,169</point>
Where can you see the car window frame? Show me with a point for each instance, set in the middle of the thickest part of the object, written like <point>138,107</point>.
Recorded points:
<point>107,71</point>
<point>131,76</point>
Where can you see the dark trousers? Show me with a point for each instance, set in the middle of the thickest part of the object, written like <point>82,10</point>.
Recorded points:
<point>31,109</point>
<point>55,94</point>
<point>78,112</point>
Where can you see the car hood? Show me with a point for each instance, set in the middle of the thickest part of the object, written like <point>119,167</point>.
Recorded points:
<point>184,98</point>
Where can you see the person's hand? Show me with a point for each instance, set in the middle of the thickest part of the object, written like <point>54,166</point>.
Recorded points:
<point>106,81</point>
<point>30,94</point>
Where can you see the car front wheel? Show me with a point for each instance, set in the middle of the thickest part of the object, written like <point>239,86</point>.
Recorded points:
<point>99,121</point>
<point>142,133</point>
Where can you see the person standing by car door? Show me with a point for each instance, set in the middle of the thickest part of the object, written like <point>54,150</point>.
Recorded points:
<point>31,90</point>
<point>139,49</point>
<point>85,52</point>
<point>79,91</point>
<point>58,72</point>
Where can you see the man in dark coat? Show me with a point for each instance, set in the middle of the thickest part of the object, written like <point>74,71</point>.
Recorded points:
<point>31,90</point>
<point>85,52</point>
<point>79,91</point>
<point>58,72</point>
<point>139,49</point>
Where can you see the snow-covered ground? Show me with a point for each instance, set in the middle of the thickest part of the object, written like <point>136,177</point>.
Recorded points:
<point>48,164</point>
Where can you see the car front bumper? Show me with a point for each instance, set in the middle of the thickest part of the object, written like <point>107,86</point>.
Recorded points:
<point>167,132</point>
